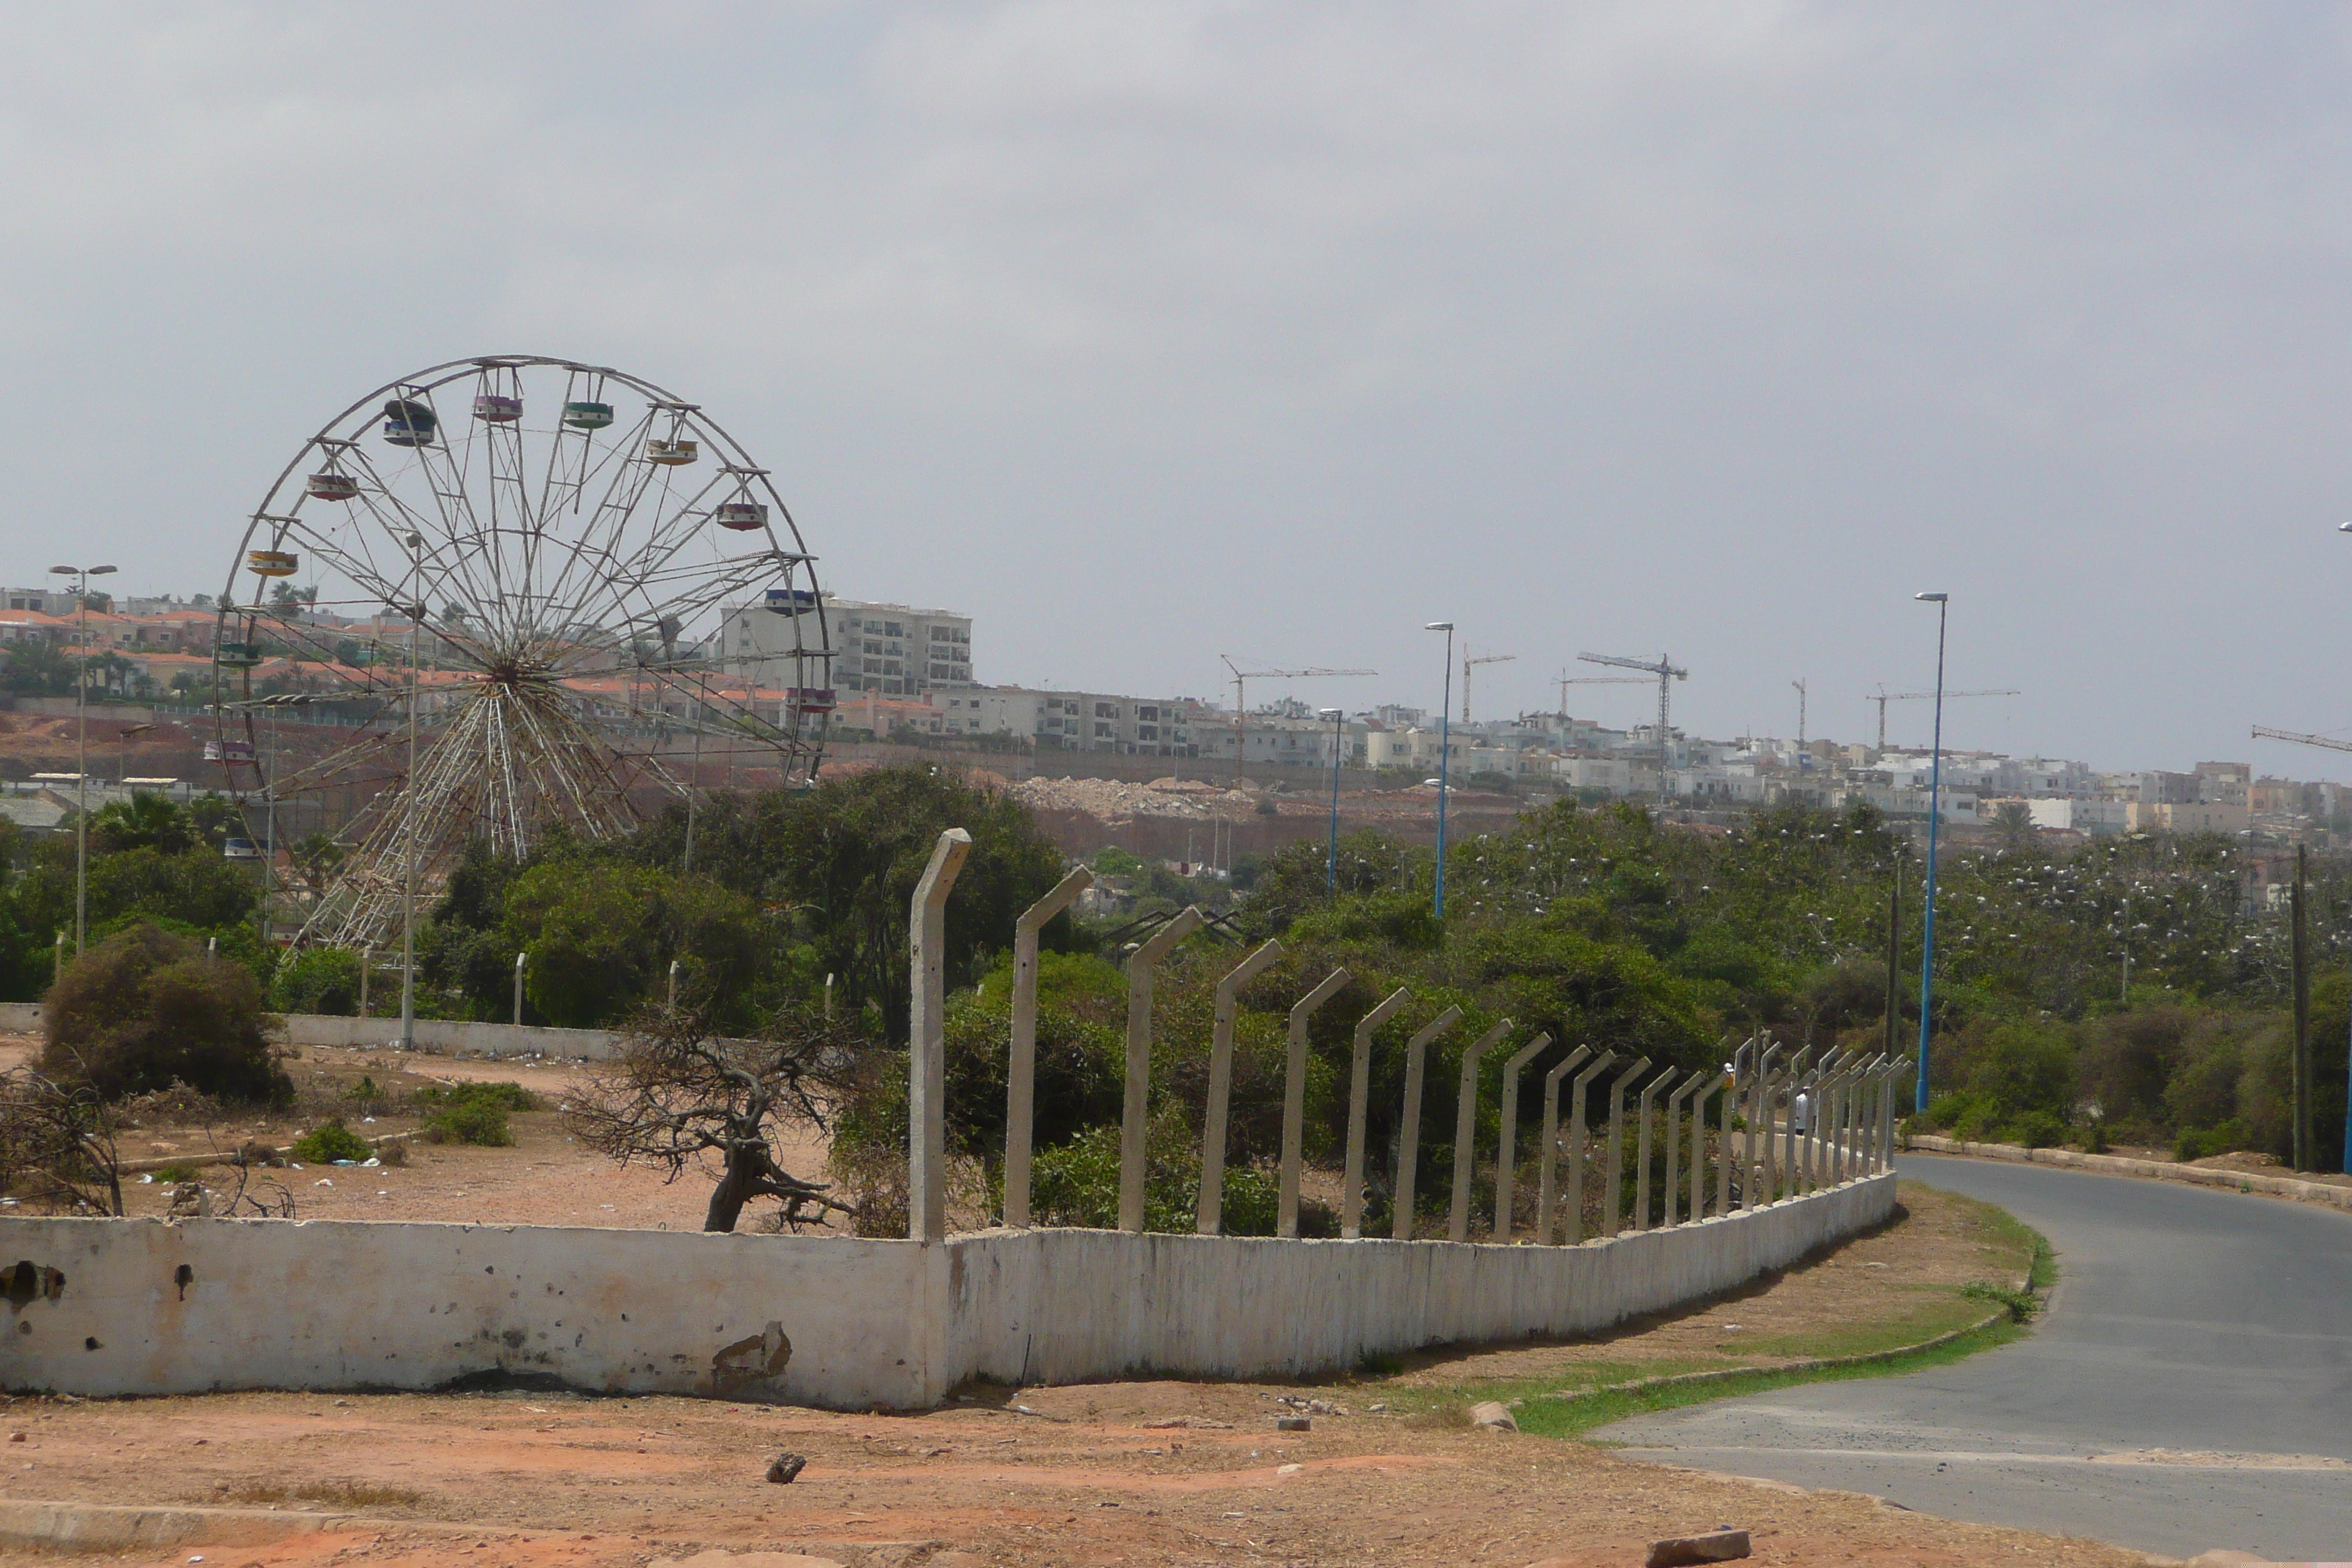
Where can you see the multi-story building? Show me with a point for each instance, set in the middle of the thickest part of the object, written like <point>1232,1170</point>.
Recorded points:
<point>892,651</point>
<point>1076,720</point>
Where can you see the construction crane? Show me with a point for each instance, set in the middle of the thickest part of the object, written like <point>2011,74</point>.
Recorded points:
<point>1883,697</point>
<point>1800,683</point>
<point>2262,733</point>
<point>1468,664</point>
<point>1668,672</point>
<point>1241,703</point>
<point>1564,680</point>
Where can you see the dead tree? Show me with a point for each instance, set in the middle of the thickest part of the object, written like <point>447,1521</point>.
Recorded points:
<point>677,1092</point>
<point>57,1144</point>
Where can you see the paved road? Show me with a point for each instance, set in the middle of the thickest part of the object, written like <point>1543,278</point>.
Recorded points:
<point>2214,1327</point>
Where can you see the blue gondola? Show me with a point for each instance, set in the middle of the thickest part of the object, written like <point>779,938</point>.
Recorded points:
<point>408,423</point>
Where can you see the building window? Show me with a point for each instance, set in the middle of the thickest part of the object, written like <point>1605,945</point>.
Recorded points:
<point>1102,729</point>
<point>1106,711</point>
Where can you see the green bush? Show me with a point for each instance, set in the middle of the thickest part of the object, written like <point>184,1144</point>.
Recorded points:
<point>330,1141</point>
<point>2204,1142</point>
<point>2036,1130</point>
<point>317,980</point>
<point>474,1112</point>
<point>143,1010</point>
<point>174,1174</point>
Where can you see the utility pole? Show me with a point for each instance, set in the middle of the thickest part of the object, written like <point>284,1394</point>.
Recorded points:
<point>1943,603</point>
<point>81,575</point>
<point>2304,1158</point>
<point>415,608</point>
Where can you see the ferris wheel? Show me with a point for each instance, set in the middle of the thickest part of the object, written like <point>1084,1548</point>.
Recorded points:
<point>510,586</point>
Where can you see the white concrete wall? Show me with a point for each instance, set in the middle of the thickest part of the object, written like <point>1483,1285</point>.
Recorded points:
<point>1066,1305</point>
<point>441,1036</point>
<point>338,1304</point>
<point>349,1304</point>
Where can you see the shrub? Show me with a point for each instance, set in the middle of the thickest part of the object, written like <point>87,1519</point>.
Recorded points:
<point>474,1112</point>
<point>143,1010</point>
<point>176,1173</point>
<point>319,980</point>
<point>329,1142</point>
<point>2037,1130</point>
<point>2204,1142</point>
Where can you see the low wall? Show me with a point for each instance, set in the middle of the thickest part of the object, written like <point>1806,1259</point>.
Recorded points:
<point>443,1036</point>
<point>145,1307</point>
<point>2153,1170</point>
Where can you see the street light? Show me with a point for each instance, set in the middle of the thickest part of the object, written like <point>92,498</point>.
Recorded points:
<point>1934,810</point>
<point>1331,861</point>
<point>1444,748</point>
<point>81,575</point>
<point>415,609</point>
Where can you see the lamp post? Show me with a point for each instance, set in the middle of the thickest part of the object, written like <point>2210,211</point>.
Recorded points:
<point>1331,858</point>
<point>415,608</point>
<point>1935,811</point>
<point>1444,751</point>
<point>81,576</point>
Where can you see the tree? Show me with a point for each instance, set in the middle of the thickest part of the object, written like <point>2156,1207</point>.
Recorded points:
<point>145,821</point>
<point>2014,822</point>
<point>57,1144</point>
<point>144,1009</point>
<point>38,669</point>
<point>677,1092</point>
<point>601,935</point>
<point>842,859</point>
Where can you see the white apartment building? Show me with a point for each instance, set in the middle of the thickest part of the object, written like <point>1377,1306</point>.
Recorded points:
<point>1075,720</point>
<point>895,650</point>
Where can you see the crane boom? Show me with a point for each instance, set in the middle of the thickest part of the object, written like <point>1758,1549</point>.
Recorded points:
<point>1468,664</point>
<point>2263,733</point>
<point>1668,672</point>
<point>1241,703</point>
<point>1883,697</point>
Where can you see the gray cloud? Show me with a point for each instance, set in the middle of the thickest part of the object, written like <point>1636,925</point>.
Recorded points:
<point>1146,332</point>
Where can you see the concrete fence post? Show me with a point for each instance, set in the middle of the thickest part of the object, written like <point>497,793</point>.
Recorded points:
<point>1209,1208</point>
<point>1723,1155</point>
<point>1759,1089</point>
<point>1416,1061</point>
<point>927,1119</point>
<point>1642,1149</point>
<point>1135,1116</point>
<point>1882,1132</point>
<point>1465,1132</point>
<point>1360,1089</point>
<point>1577,1141</point>
<point>520,959</point>
<point>1613,1177</point>
<point>1706,1091</point>
<point>1293,1101</point>
<point>673,976</point>
<point>1674,1145</point>
<point>1798,1075</point>
<point>1020,1065</point>
<point>1547,1156</point>
<point>367,963</point>
<point>1506,1156</point>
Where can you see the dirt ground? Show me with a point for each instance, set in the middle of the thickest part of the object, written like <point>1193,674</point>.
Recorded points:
<point>544,1178</point>
<point>1141,1473</point>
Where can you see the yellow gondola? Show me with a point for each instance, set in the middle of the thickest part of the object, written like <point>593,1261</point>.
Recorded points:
<point>271,562</point>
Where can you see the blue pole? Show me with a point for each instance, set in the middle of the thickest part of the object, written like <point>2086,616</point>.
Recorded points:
<point>1444,753</point>
<point>1331,861</point>
<point>2348,1116</point>
<point>1934,812</point>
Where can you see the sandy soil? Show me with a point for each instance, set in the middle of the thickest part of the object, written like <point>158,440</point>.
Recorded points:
<point>545,1178</point>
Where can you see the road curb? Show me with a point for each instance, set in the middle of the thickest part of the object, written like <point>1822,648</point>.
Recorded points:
<point>1817,1363</point>
<point>2319,1193</point>
<point>109,1527</point>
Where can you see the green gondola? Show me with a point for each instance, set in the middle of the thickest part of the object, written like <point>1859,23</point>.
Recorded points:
<point>587,416</point>
<point>239,655</point>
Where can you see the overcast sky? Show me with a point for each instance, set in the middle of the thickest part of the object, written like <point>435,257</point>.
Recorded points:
<point>1145,334</point>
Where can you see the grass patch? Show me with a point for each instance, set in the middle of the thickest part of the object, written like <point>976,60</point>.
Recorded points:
<point>174,1174</point>
<point>1575,1418</point>
<point>336,1494</point>
<point>1568,1400</point>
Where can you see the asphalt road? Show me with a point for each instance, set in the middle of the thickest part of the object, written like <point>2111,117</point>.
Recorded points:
<point>2189,1387</point>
